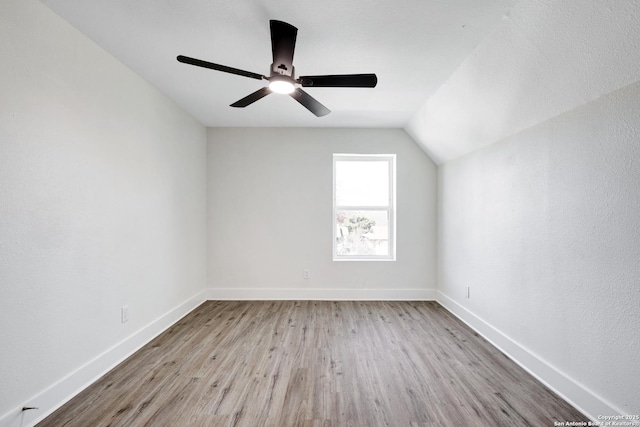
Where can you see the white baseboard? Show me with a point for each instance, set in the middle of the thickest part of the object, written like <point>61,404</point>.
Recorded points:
<point>583,399</point>
<point>61,392</point>
<point>321,294</point>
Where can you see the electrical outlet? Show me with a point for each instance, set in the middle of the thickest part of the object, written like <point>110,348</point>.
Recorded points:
<point>124,314</point>
<point>306,275</point>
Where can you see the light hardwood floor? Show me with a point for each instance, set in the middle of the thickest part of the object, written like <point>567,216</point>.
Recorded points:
<point>316,363</point>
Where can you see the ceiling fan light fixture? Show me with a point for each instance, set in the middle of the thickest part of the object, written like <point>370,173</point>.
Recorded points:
<point>281,86</point>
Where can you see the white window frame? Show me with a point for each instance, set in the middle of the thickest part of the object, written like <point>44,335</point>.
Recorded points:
<point>391,208</point>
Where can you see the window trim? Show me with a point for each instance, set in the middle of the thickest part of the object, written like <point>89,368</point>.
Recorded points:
<point>391,208</point>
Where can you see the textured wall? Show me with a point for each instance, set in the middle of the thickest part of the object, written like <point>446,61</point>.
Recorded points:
<point>545,229</point>
<point>102,202</point>
<point>270,215</point>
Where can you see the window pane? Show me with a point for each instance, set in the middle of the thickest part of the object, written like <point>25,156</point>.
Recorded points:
<point>362,232</point>
<point>362,183</point>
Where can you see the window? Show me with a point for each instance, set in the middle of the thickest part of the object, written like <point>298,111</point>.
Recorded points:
<point>364,207</point>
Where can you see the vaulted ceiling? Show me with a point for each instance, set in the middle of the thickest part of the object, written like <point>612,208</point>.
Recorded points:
<point>546,58</point>
<point>456,74</point>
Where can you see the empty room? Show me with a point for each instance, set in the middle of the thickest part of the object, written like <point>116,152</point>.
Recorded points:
<point>271,213</point>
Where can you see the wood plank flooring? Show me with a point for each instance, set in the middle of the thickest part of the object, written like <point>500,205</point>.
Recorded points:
<point>316,364</point>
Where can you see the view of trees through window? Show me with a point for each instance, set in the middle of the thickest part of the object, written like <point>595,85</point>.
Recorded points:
<point>362,233</point>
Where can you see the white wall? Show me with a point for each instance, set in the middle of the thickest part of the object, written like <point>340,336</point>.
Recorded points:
<point>102,204</point>
<point>270,216</point>
<point>545,229</point>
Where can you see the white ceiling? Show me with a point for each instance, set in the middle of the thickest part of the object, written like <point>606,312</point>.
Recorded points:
<point>456,74</point>
<point>413,46</point>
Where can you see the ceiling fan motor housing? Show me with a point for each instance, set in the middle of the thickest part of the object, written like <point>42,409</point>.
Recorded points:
<point>282,70</point>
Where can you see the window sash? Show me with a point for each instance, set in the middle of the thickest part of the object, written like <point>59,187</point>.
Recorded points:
<point>389,209</point>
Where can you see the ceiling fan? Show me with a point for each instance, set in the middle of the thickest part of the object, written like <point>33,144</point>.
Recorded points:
<point>282,76</point>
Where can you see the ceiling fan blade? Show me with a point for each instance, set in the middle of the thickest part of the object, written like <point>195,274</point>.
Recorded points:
<point>340,80</point>
<point>283,43</point>
<point>309,102</point>
<point>250,99</point>
<point>218,67</point>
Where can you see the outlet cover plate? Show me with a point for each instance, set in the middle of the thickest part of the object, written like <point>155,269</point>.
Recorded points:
<point>124,314</point>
